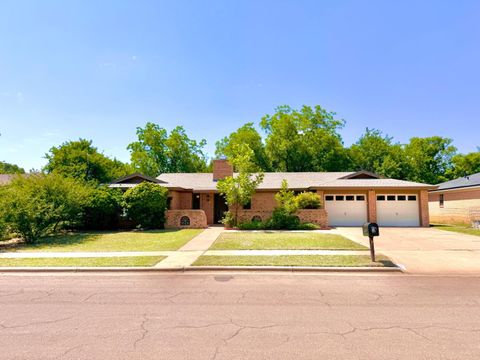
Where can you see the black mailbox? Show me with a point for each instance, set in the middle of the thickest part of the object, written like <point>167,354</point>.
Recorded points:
<point>371,229</point>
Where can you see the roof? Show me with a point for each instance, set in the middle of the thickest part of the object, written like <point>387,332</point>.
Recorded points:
<point>296,180</point>
<point>463,182</point>
<point>5,179</point>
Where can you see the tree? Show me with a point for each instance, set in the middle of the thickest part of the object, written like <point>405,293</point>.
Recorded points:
<point>247,134</point>
<point>146,204</point>
<point>82,161</point>
<point>6,168</point>
<point>429,159</point>
<point>305,140</point>
<point>39,205</point>
<point>102,208</point>
<point>238,190</point>
<point>464,165</point>
<point>377,153</point>
<point>156,152</point>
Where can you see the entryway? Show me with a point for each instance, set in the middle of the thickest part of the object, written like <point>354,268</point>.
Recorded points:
<point>219,208</point>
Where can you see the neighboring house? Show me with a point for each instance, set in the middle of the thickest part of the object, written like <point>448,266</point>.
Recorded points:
<point>5,179</point>
<point>349,198</point>
<point>456,201</point>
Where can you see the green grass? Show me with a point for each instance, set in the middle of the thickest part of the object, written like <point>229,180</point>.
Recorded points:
<point>293,260</point>
<point>283,241</point>
<point>128,261</point>
<point>463,229</point>
<point>158,240</point>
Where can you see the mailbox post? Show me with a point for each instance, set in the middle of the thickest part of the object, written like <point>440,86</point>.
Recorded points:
<point>371,230</point>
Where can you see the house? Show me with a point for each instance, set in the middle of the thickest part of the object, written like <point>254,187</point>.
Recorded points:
<point>348,198</point>
<point>456,201</point>
<point>6,179</point>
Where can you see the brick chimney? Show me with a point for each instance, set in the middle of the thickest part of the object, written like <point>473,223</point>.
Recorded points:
<point>221,169</point>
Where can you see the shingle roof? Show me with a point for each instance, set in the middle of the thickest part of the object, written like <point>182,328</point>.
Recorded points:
<point>467,181</point>
<point>6,178</point>
<point>296,180</point>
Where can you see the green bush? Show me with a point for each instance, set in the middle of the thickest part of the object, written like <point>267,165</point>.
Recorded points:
<point>146,204</point>
<point>102,209</point>
<point>308,200</point>
<point>282,219</point>
<point>39,205</point>
<point>229,219</point>
<point>252,225</point>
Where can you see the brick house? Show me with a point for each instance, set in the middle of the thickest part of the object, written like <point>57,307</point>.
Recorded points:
<point>348,198</point>
<point>456,201</point>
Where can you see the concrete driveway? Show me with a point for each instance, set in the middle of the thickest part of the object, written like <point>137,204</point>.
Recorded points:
<point>425,250</point>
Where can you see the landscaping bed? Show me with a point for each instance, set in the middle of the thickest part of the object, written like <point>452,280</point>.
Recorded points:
<point>294,260</point>
<point>271,240</point>
<point>155,240</point>
<point>124,261</point>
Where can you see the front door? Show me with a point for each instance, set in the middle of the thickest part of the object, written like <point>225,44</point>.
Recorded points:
<point>219,209</point>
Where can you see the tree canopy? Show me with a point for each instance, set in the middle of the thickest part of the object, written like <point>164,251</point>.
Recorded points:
<point>6,168</point>
<point>156,152</point>
<point>82,161</point>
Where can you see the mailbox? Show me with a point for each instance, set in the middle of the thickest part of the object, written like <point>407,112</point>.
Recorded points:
<point>371,230</point>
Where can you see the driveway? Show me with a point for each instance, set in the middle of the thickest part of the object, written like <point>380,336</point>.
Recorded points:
<point>425,250</point>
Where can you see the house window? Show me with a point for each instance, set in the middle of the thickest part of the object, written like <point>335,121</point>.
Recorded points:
<point>339,198</point>
<point>350,198</point>
<point>248,206</point>
<point>412,197</point>
<point>169,203</point>
<point>381,198</point>
<point>329,198</point>
<point>390,197</point>
<point>184,221</point>
<point>401,198</point>
<point>360,198</point>
<point>196,201</point>
<point>441,200</point>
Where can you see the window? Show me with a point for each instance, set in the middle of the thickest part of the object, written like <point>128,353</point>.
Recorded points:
<point>329,198</point>
<point>401,197</point>
<point>196,201</point>
<point>412,197</point>
<point>350,198</point>
<point>390,197</point>
<point>441,200</point>
<point>339,197</point>
<point>169,203</point>
<point>360,198</point>
<point>184,221</point>
<point>248,206</point>
<point>381,198</point>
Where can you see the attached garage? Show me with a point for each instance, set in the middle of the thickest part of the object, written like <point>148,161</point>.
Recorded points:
<point>398,210</point>
<point>346,209</point>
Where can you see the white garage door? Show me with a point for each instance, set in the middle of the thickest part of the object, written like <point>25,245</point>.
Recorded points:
<point>346,210</point>
<point>398,210</point>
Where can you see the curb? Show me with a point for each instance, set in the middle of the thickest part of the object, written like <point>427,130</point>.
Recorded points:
<point>197,269</point>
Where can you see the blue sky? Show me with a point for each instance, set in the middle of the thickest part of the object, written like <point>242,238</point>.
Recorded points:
<point>99,69</point>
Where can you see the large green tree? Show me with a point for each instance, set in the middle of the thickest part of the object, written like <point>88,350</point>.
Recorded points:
<point>247,134</point>
<point>6,168</point>
<point>304,140</point>
<point>82,161</point>
<point>429,159</point>
<point>465,164</point>
<point>157,152</point>
<point>377,153</point>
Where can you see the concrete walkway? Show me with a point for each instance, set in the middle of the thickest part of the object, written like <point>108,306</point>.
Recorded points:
<point>187,254</point>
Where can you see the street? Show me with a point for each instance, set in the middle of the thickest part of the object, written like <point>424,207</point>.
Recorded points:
<point>238,316</point>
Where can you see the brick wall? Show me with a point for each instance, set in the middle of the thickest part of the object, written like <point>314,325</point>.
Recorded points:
<point>180,200</point>
<point>206,204</point>
<point>424,216</point>
<point>198,219</point>
<point>372,206</point>
<point>456,207</point>
<point>221,169</point>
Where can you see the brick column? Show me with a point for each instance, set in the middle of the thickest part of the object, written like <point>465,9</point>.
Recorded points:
<point>372,206</point>
<point>322,198</point>
<point>206,204</point>
<point>424,215</point>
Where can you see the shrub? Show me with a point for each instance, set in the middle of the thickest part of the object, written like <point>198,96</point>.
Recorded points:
<point>308,200</point>
<point>102,209</point>
<point>282,220</point>
<point>39,205</point>
<point>229,219</point>
<point>307,226</point>
<point>146,204</point>
<point>286,199</point>
<point>252,225</point>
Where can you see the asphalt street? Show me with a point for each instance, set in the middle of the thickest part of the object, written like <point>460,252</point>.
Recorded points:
<point>238,316</point>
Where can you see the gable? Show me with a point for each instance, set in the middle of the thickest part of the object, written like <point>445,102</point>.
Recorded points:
<point>363,174</point>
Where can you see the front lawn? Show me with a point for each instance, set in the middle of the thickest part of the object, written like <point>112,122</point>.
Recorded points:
<point>283,241</point>
<point>293,260</point>
<point>128,261</point>
<point>155,240</point>
<point>463,229</point>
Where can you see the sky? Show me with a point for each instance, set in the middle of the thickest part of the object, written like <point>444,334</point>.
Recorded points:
<point>99,69</point>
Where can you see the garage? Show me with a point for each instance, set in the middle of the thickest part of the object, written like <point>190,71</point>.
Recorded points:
<point>398,210</point>
<point>346,209</point>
